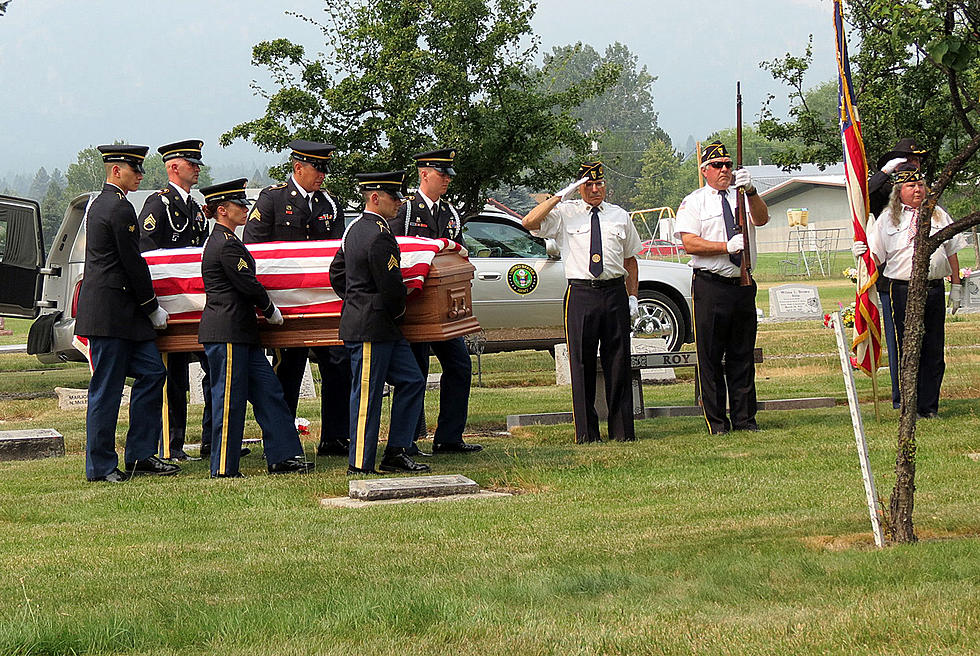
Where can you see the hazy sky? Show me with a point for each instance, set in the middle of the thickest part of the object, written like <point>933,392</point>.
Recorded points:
<point>76,74</point>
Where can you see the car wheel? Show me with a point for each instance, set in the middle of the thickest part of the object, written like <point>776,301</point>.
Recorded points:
<point>659,317</point>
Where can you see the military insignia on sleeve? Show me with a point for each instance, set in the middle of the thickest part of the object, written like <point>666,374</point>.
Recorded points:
<point>392,262</point>
<point>242,264</point>
<point>149,223</point>
<point>132,227</point>
<point>256,214</point>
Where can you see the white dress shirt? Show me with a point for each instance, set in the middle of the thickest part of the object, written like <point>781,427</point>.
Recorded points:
<point>700,214</point>
<point>892,244</point>
<point>570,224</point>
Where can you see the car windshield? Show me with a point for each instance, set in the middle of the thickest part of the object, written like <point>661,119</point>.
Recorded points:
<point>490,239</point>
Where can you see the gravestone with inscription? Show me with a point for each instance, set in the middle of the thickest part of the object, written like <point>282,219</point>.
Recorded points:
<point>971,294</point>
<point>795,302</point>
<point>74,399</point>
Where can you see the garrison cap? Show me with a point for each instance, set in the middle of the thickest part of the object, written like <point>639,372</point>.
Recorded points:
<point>390,182</point>
<point>907,173</point>
<point>133,155</point>
<point>189,150</point>
<point>440,160</point>
<point>904,148</point>
<point>714,151</point>
<point>313,152</point>
<point>232,191</point>
<point>592,171</point>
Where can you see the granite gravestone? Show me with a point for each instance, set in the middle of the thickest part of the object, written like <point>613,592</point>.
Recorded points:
<point>971,294</point>
<point>795,303</point>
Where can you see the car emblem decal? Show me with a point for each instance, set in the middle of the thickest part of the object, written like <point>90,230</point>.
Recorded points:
<point>522,279</point>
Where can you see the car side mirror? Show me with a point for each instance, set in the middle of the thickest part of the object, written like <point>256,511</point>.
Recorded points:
<point>551,247</point>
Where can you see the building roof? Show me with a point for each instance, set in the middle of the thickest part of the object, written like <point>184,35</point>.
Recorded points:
<point>767,176</point>
<point>797,185</point>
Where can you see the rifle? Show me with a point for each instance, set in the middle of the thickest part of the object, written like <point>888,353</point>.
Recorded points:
<point>745,279</point>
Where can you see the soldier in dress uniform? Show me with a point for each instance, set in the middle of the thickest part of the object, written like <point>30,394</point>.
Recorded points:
<point>171,218</point>
<point>230,334</point>
<point>725,322</point>
<point>118,312</point>
<point>600,244</point>
<point>366,274</point>
<point>426,214</point>
<point>298,210</point>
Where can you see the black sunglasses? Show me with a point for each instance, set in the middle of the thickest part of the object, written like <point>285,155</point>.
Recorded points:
<point>720,165</point>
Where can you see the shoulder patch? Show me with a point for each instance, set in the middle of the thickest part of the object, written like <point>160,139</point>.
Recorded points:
<point>242,264</point>
<point>278,186</point>
<point>392,262</point>
<point>165,190</point>
<point>149,223</point>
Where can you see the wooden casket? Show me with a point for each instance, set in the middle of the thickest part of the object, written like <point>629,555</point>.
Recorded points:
<point>440,309</point>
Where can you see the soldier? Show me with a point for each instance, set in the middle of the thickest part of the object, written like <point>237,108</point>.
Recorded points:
<point>171,218</point>
<point>118,312</point>
<point>298,210</point>
<point>230,334</point>
<point>366,273</point>
<point>425,214</point>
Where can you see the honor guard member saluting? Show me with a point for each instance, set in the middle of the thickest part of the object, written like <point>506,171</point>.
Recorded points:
<point>425,214</point>
<point>117,312</point>
<point>600,245</point>
<point>230,334</point>
<point>725,322</point>
<point>297,210</point>
<point>366,274</point>
<point>172,219</point>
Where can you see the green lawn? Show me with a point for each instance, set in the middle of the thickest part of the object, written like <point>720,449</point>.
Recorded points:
<point>679,543</point>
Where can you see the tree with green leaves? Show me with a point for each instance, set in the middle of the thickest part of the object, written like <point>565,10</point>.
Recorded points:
<point>403,76</point>
<point>53,207</point>
<point>916,75</point>
<point>665,178</point>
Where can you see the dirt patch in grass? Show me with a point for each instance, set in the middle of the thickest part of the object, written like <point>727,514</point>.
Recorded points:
<point>864,541</point>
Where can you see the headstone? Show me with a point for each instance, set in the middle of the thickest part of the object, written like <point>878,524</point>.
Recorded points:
<point>795,302</point>
<point>31,444</point>
<point>76,399</point>
<point>306,388</point>
<point>563,374</point>
<point>416,486</point>
<point>971,294</point>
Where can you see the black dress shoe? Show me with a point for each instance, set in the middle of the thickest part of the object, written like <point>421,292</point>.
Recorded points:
<point>456,447</point>
<point>752,428</point>
<point>398,460</point>
<point>206,451</point>
<point>357,471</point>
<point>115,476</point>
<point>181,456</point>
<point>296,464</point>
<point>416,452</point>
<point>235,475</point>
<point>152,466</point>
<point>333,447</point>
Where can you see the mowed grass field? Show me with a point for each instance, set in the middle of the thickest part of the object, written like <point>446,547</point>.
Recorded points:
<point>679,543</point>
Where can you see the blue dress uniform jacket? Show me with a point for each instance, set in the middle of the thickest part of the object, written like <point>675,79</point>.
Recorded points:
<point>166,221</point>
<point>366,274</point>
<point>116,297</point>
<point>233,291</point>
<point>443,222</point>
<point>282,213</point>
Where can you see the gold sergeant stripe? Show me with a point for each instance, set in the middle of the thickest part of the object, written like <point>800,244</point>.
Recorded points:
<point>134,155</point>
<point>362,405</point>
<point>299,152</point>
<point>223,460</point>
<point>226,191</point>
<point>166,409</point>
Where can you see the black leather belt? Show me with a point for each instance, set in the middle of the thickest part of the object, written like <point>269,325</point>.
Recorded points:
<point>595,282</point>
<point>711,275</point>
<point>938,282</point>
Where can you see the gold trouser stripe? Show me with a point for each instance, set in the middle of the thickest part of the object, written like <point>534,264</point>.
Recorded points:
<point>568,292</point>
<point>362,405</point>
<point>697,369</point>
<point>223,461</point>
<point>166,408</point>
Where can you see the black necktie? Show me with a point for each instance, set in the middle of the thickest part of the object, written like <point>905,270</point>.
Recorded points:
<point>730,228</point>
<point>595,246</point>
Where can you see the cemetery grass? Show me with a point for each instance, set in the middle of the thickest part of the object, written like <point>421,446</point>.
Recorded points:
<point>678,543</point>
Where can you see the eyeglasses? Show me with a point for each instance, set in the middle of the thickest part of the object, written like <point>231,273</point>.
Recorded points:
<point>720,165</point>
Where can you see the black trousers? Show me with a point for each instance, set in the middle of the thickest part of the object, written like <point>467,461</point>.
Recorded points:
<point>725,327</point>
<point>932,363</point>
<point>597,319</point>
<point>335,377</point>
<point>175,402</point>
<point>454,387</point>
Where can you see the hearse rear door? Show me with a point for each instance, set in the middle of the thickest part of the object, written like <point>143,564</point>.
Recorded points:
<point>21,256</point>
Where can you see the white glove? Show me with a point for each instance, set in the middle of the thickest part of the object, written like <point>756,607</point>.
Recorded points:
<point>859,248</point>
<point>892,164</point>
<point>276,318</point>
<point>736,244</point>
<point>570,190</point>
<point>159,318</point>
<point>634,307</point>
<point>743,178</point>
<point>955,298</point>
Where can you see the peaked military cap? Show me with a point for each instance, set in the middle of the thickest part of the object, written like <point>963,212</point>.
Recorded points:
<point>440,160</point>
<point>907,173</point>
<point>390,182</point>
<point>232,191</point>
<point>313,152</point>
<point>592,171</point>
<point>904,148</point>
<point>714,151</point>
<point>189,150</point>
<point>133,155</point>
